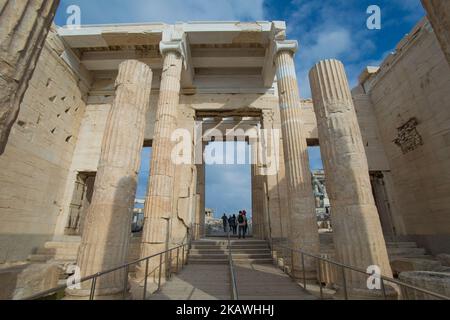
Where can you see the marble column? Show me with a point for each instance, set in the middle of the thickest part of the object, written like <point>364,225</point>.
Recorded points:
<point>270,153</point>
<point>107,230</point>
<point>159,201</point>
<point>358,237</point>
<point>262,229</point>
<point>255,214</point>
<point>439,15</point>
<point>303,233</point>
<point>200,210</point>
<point>24,25</point>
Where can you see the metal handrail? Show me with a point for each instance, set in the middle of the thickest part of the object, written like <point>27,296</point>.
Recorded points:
<point>343,267</point>
<point>234,291</point>
<point>126,266</point>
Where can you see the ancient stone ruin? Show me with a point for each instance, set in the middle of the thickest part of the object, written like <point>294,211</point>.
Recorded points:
<point>78,105</point>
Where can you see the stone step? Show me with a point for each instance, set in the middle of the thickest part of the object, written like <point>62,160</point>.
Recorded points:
<point>234,251</point>
<point>396,257</point>
<point>406,251</point>
<point>225,256</point>
<point>225,261</point>
<point>225,242</point>
<point>217,247</point>
<point>401,244</point>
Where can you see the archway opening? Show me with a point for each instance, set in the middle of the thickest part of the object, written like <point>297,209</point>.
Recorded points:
<point>228,183</point>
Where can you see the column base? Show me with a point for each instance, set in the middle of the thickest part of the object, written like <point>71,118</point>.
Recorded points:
<point>309,275</point>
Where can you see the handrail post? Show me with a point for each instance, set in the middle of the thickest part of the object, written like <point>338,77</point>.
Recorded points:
<point>182,257</point>
<point>178,256</point>
<point>170,264</point>
<point>304,270</point>
<point>125,282</point>
<point>344,279</point>
<point>320,278</point>
<point>93,283</point>
<point>144,296</point>
<point>292,264</point>
<point>383,288</point>
<point>234,291</point>
<point>160,271</point>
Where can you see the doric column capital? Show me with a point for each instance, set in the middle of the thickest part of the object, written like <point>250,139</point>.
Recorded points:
<point>286,45</point>
<point>173,46</point>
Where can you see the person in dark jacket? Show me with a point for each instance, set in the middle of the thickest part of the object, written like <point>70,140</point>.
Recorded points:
<point>232,223</point>
<point>242,223</point>
<point>225,222</point>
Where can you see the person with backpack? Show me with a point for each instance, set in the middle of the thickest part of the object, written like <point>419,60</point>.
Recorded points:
<point>235,226</point>
<point>242,223</point>
<point>232,223</point>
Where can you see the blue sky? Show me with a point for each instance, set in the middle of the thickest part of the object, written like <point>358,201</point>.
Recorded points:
<point>324,29</point>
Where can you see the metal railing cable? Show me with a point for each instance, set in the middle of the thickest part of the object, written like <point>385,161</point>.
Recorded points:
<point>343,267</point>
<point>234,291</point>
<point>183,249</point>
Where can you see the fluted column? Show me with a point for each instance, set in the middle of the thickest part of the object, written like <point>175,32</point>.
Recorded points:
<point>24,25</point>
<point>303,231</point>
<point>200,212</point>
<point>358,237</point>
<point>270,153</point>
<point>258,214</point>
<point>159,204</point>
<point>439,15</point>
<point>107,229</point>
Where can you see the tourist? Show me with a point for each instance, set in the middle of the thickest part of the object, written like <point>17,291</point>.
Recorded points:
<point>244,213</point>
<point>225,222</point>
<point>242,222</point>
<point>232,224</point>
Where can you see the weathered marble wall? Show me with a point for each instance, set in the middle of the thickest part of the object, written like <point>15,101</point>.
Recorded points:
<point>36,162</point>
<point>412,85</point>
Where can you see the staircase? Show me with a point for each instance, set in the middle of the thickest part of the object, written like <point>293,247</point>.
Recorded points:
<point>215,251</point>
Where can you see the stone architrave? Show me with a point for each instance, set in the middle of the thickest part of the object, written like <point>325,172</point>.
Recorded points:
<point>303,233</point>
<point>159,203</point>
<point>439,16</point>
<point>24,25</point>
<point>107,230</point>
<point>358,237</point>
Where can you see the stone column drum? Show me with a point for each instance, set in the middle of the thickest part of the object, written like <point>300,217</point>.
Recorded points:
<point>358,237</point>
<point>159,204</point>
<point>255,216</point>
<point>270,154</point>
<point>439,15</point>
<point>107,229</point>
<point>302,215</point>
<point>24,25</point>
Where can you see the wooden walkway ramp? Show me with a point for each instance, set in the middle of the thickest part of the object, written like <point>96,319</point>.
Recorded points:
<point>209,278</point>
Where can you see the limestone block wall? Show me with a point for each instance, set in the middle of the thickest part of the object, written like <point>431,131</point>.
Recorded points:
<point>370,132</point>
<point>36,162</point>
<point>410,100</point>
<point>88,147</point>
<point>86,155</point>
